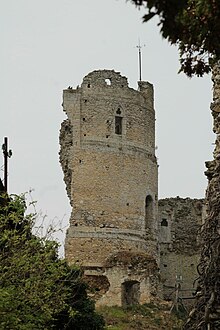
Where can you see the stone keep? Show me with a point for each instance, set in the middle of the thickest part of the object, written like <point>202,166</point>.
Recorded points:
<point>110,170</point>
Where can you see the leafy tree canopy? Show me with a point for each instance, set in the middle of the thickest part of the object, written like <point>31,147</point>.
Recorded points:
<point>194,25</point>
<point>37,289</point>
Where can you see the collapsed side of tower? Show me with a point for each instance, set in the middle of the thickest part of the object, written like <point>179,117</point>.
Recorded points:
<point>110,170</point>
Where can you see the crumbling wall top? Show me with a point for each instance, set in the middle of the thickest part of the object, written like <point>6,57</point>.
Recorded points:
<point>104,78</point>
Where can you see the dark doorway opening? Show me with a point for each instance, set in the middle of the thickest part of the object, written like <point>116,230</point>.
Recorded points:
<point>130,293</point>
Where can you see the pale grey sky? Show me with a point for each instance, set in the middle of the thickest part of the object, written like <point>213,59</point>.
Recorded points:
<point>48,45</point>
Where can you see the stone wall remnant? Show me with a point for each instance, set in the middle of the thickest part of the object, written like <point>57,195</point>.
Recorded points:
<point>180,222</point>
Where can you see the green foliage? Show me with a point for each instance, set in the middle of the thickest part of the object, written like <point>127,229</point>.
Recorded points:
<point>194,25</point>
<point>37,289</point>
<point>115,312</point>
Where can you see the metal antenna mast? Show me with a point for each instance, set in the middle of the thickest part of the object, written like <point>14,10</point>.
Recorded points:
<point>139,57</point>
<point>7,154</point>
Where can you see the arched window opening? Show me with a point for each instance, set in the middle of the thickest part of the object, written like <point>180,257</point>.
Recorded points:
<point>118,111</point>
<point>118,125</point>
<point>108,82</point>
<point>148,212</point>
<point>165,233</point>
<point>164,223</point>
<point>130,293</point>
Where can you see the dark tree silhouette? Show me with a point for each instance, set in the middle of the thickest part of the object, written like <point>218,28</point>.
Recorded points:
<point>193,25</point>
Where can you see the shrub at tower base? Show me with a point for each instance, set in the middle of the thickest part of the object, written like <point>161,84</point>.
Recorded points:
<point>38,290</point>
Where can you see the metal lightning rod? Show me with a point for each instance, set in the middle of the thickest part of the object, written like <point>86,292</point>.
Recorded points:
<point>139,57</point>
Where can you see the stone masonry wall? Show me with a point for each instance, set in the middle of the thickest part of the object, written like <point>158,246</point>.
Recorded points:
<point>110,170</point>
<point>180,221</point>
<point>206,310</point>
<point>109,175</point>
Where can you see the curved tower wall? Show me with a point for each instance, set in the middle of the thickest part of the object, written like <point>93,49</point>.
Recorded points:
<point>110,169</point>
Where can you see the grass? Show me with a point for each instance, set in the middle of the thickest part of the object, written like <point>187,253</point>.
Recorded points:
<point>140,317</point>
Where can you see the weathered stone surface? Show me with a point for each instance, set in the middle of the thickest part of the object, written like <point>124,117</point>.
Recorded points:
<point>180,220</point>
<point>184,220</point>
<point>110,169</point>
<point>66,144</point>
<point>206,313</point>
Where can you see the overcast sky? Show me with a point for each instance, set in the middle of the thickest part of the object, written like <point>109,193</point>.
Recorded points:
<point>47,45</point>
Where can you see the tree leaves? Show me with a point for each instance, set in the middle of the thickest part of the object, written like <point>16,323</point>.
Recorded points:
<point>193,25</point>
<point>148,16</point>
<point>38,290</point>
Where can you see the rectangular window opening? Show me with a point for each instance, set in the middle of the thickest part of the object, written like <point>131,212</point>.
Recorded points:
<point>118,125</point>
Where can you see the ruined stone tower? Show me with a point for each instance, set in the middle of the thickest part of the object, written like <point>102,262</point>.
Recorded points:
<point>110,170</point>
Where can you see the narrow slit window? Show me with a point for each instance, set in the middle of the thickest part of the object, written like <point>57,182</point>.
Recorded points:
<point>118,125</point>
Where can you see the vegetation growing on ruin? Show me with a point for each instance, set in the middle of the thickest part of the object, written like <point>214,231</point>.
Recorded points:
<point>148,316</point>
<point>132,259</point>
